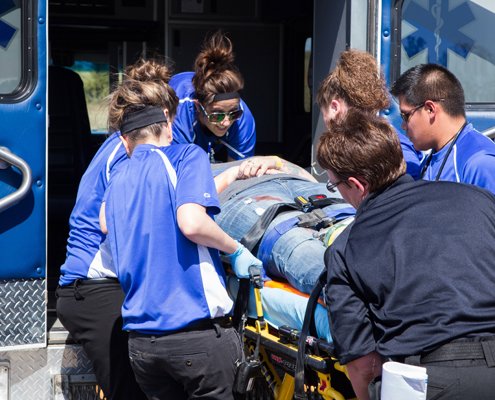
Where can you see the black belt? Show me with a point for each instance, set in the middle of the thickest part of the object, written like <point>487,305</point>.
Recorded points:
<point>73,287</point>
<point>208,323</point>
<point>481,349</point>
<point>199,325</point>
<point>94,281</point>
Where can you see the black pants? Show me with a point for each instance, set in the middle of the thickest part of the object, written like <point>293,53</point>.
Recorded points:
<point>91,313</point>
<point>462,369</point>
<point>198,364</point>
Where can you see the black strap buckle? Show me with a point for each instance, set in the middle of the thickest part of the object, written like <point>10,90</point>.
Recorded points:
<point>316,219</point>
<point>255,277</point>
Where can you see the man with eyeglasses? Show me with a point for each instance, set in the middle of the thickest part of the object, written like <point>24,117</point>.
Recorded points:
<point>412,278</point>
<point>211,112</point>
<point>431,101</point>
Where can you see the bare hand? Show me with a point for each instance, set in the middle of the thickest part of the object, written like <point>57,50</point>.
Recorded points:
<point>257,166</point>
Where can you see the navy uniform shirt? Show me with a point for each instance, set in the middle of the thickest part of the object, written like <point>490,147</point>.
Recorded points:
<point>415,270</point>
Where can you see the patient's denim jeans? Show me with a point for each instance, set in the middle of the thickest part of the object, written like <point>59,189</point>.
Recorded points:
<point>297,255</point>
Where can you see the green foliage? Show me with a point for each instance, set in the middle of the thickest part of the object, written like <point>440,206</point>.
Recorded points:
<point>95,85</point>
<point>96,88</point>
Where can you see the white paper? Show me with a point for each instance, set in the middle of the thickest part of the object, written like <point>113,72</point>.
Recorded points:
<point>403,381</point>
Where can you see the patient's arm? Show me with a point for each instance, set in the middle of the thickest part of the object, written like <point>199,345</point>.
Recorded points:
<point>261,165</point>
<point>257,166</point>
<point>225,178</point>
<point>292,169</point>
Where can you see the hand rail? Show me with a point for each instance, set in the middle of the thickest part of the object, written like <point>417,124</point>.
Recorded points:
<point>490,132</point>
<point>13,198</point>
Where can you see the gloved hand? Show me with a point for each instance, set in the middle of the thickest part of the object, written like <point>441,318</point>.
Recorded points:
<point>241,260</point>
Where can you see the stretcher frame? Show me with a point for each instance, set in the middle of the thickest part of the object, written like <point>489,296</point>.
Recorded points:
<point>325,378</point>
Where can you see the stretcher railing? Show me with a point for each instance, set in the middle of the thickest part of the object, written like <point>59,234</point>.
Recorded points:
<point>277,350</point>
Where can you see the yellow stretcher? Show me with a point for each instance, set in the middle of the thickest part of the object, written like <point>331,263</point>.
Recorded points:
<point>324,377</point>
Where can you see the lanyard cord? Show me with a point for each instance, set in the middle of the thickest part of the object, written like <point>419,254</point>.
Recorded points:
<point>231,148</point>
<point>428,161</point>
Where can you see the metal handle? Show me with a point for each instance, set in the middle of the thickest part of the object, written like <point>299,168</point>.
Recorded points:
<point>490,132</point>
<point>13,198</point>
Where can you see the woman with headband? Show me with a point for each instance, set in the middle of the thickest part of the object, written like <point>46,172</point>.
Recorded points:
<point>165,246</point>
<point>89,296</point>
<point>211,112</point>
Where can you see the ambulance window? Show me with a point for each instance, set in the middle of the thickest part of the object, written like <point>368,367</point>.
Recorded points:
<point>10,47</point>
<point>457,34</point>
<point>94,73</point>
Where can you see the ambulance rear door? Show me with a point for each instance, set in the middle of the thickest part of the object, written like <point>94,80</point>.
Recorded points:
<point>23,122</point>
<point>457,34</point>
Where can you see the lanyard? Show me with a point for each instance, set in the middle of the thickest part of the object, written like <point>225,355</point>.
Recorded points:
<point>428,161</point>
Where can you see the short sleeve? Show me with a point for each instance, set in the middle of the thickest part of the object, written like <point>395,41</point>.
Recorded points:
<point>480,171</point>
<point>195,183</point>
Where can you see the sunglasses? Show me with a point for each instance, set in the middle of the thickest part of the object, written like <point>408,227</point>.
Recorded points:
<point>332,187</point>
<point>219,117</point>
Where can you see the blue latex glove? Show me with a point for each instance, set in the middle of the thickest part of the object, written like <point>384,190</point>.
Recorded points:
<point>241,260</point>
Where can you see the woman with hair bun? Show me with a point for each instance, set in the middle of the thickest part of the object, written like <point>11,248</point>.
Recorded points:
<point>89,296</point>
<point>211,112</point>
<point>158,209</point>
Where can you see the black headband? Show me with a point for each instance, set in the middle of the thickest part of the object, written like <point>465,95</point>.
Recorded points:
<point>145,116</point>
<point>226,96</point>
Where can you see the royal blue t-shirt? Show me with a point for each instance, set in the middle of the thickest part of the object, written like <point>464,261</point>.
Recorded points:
<point>169,281</point>
<point>87,257</point>
<point>471,160</point>
<point>240,138</point>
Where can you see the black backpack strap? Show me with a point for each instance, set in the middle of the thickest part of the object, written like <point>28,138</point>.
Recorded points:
<point>301,350</point>
<point>241,305</point>
<point>254,235</point>
<point>251,240</point>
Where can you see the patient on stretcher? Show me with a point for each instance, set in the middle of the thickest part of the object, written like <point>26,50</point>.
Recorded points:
<point>292,245</point>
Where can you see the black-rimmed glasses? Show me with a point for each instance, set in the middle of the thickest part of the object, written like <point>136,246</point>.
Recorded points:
<point>406,115</point>
<point>219,117</point>
<point>332,187</point>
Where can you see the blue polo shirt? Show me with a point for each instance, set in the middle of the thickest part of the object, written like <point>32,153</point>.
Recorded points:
<point>471,160</point>
<point>412,157</point>
<point>87,253</point>
<point>169,281</point>
<point>241,135</point>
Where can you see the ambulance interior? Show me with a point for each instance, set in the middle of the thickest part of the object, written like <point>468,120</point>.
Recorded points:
<point>96,40</point>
